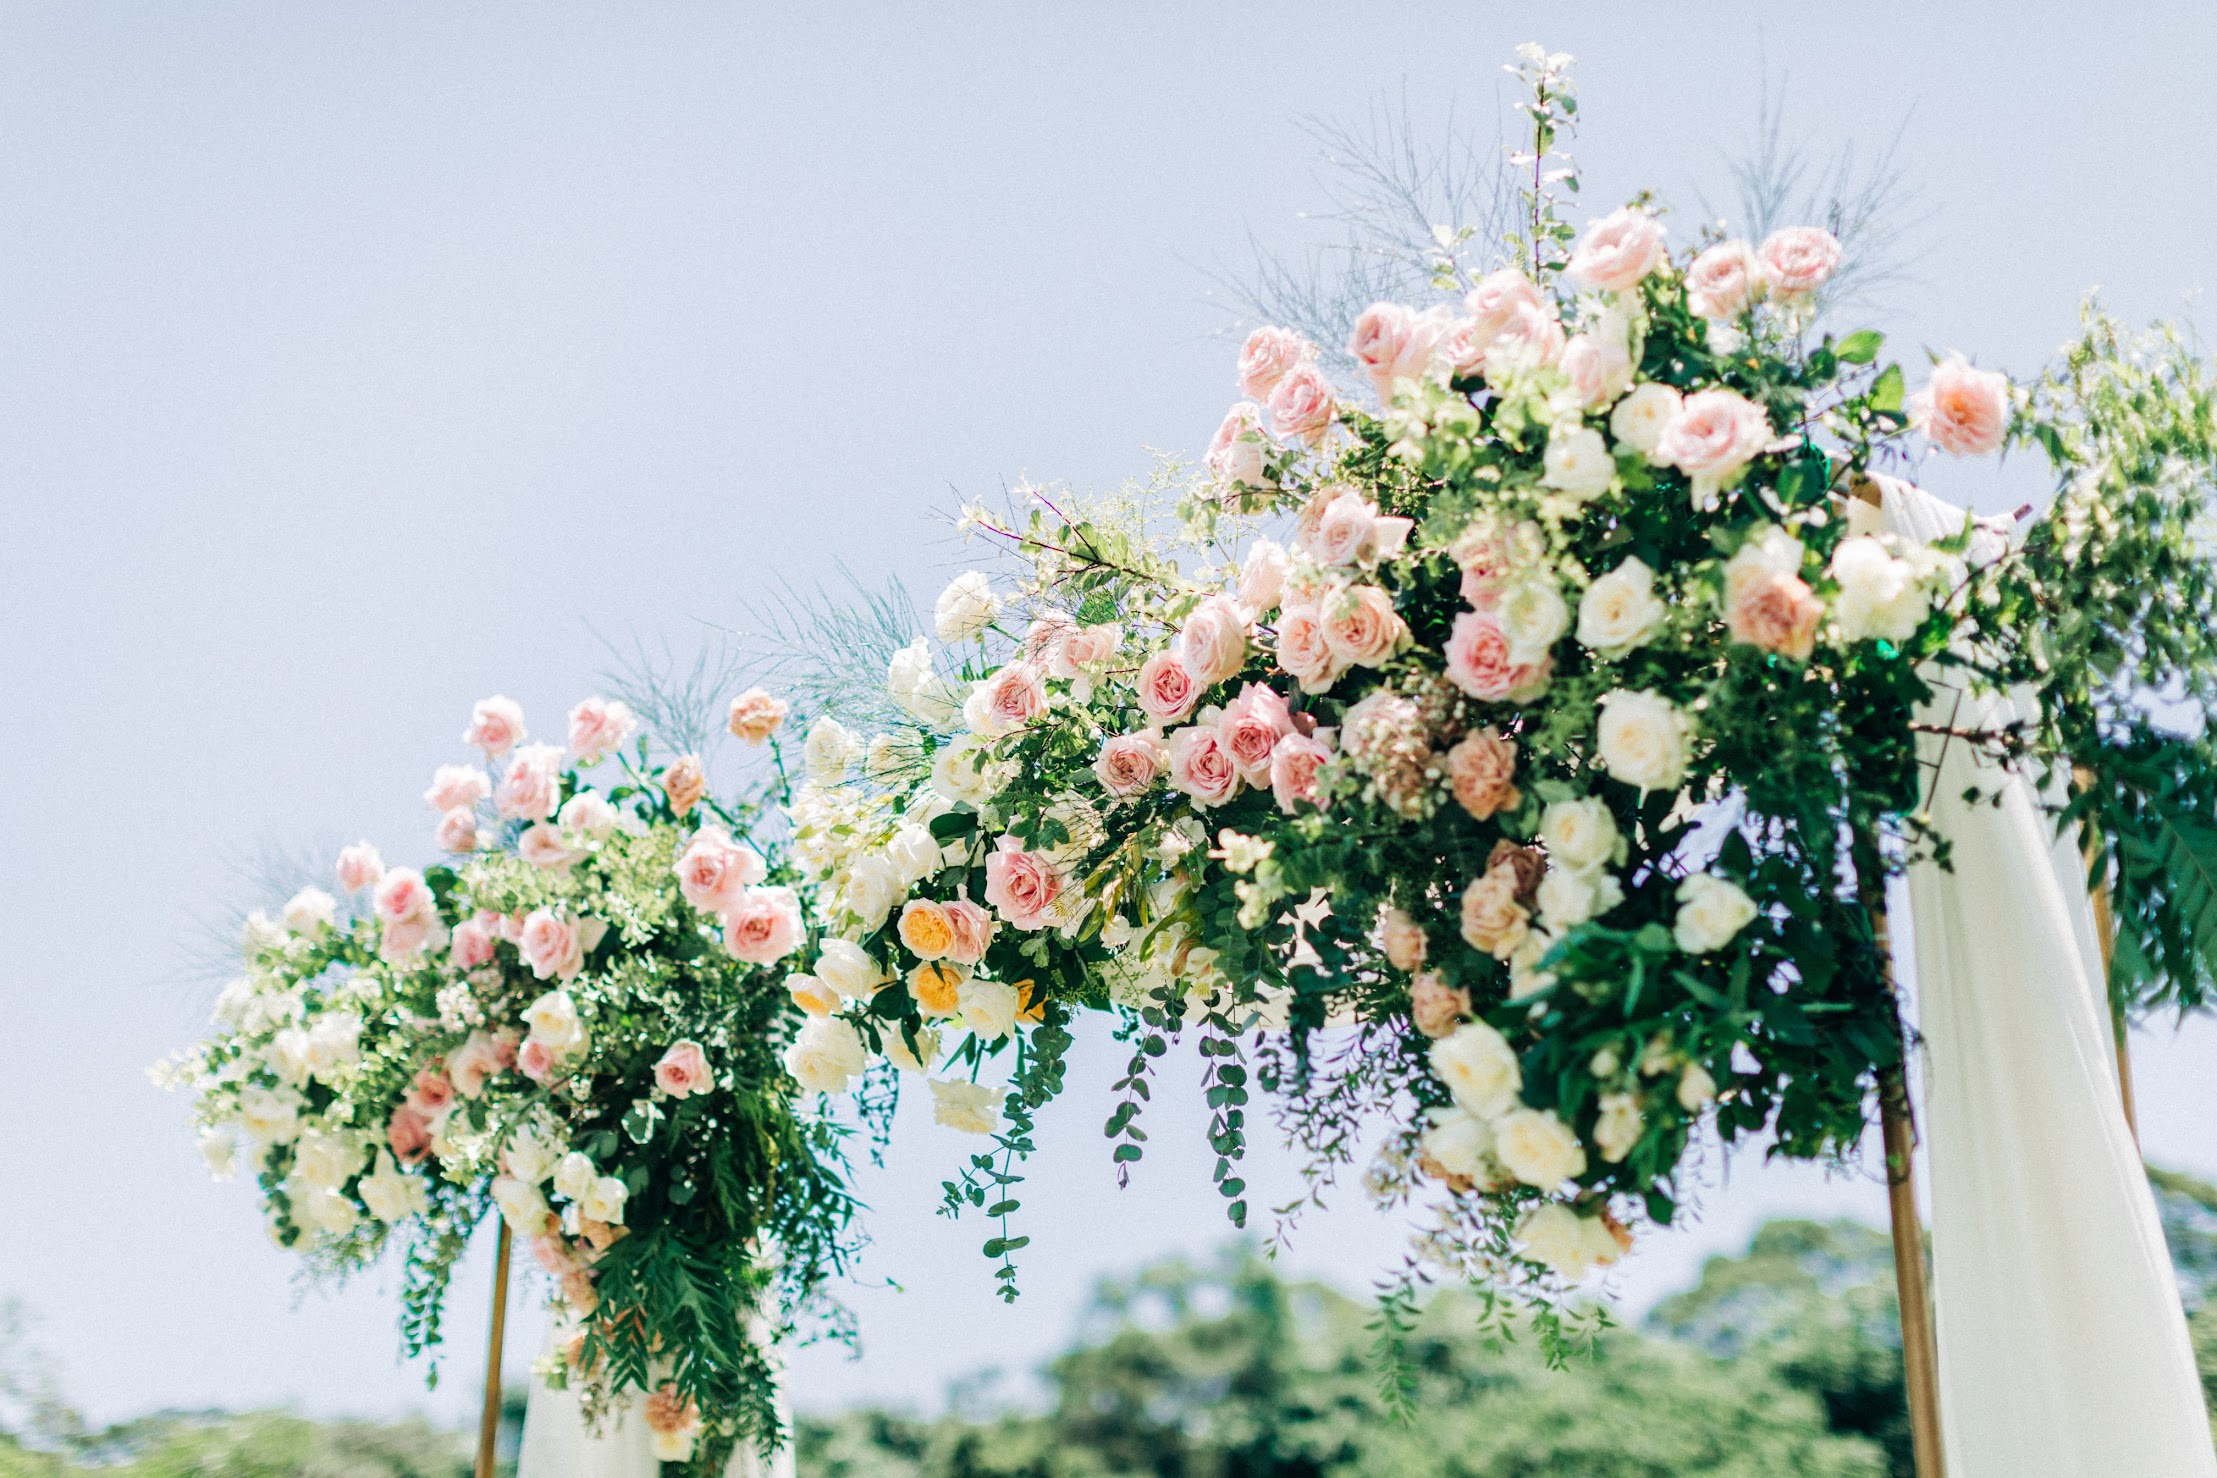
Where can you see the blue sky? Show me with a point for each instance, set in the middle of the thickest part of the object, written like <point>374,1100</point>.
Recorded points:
<point>356,362</point>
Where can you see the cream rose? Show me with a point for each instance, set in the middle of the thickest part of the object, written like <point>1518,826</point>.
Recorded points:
<point>1537,1148</point>
<point>1711,913</point>
<point>970,1108</point>
<point>848,969</point>
<point>1580,834</point>
<point>1643,739</point>
<point>1880,596</point>
<point>826,1055</point>
<point>1577,462</point>
<point>966,607</point>
<point>1533,617</point>
<point>1460,1143</point>
<point>1620,611</point>
<point>988,1007</point>
<point>1480,1068</point>
<point>1641,418</point>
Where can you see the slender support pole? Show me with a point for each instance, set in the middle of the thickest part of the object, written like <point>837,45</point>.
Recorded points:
<point>2105,931</point>
<point>1920,1351</point>
<point>488,1425</point>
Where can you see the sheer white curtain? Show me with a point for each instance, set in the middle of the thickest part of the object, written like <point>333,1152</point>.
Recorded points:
<point>2063,1347</point>
<point>557,1443</point>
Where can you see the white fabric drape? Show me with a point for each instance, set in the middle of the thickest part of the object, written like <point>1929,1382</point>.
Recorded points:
<point>558,1444</point>
<point>2063,1347</point>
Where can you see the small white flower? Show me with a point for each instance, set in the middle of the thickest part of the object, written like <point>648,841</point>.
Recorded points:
<point>966,607</point>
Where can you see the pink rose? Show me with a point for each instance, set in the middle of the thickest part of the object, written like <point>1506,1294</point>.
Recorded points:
<point>359,866</point>
<point>403,894</point>
<point>1084,647</point>
<point>1350,531</point>
<point>1481,771</point>
<point>1488,563</point>
<point>1236,453</point>
<point>510,926</point>
<point>1302,405</point>
<point>598,726</point>
<point>1478,662</point>
<point>683,1071</point>
<point>400,941</point>
<point>1715,434</point>
<point>1463,349</point>
<point>473,944</point>
<point>504,1048</point>
<point>1494,922</point>
<point>714,869</point>
<point>1130,764</point>
<point>1014,697</point>
<point>973,930</point>
<point>1022,885</point>
<point>1402,939</point>
<point>1799,260</point>
<point>496,726</point>
<point>531,789</point>
<point>457,786</point>
<point>1251,727</point>
<point>1200,766</point>
<point>1617,251</point>
<point>763,926</point>
<point>1723,280</point>
<point>1361,627</point>
<point>1435,1007</point>
<point>1167,692</point>
<point>1494,301</point>
<point>755,716</point>
<point>1393,343</point>
<point>1303,650</point>
<point>1773,610</point>
<point>1961,410</point>
<point>536,1060</point>
<point>1213,642</point>
<point>1531,339</point>
<point>685,783</point>
<point>1262,576</point>
<point>1599,366</point>
<point>470,1065</point>
<point>551,945</point>
<point>1268,356</point>
<point>1043,640</point>
<point>456,831</point>
<point>430,1094</point>
<point>542,846</point>
<point>1294,761</point>
<point>408,1136</point>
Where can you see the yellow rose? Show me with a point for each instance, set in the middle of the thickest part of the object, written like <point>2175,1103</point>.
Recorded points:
<point>925,929</point>
<point>937,988</point>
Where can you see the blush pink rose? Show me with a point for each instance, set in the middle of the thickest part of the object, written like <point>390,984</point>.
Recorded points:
<point>542,846</point>
<point>1361,627</point>
<point>1531,339</point>
<point>531,789</point>
<point>1014,697</point>
<point>504,1047</point>
<point>1268,356</point>
<point>496,725</point>
<point>536,1060</point>
<point>1213,642</point>
<point>683,1071</point>
<point>1167,691</point>
<point>763,926</point>
<point>972,928</point>
<point>1294,761</point>
<point>400,941</point>
<point>1043,640</point>
<point>1494,301</point>
<point>1799,260</point>
<point>598,726</point>
<point>1599,366</point>
<point>1200,766</point>
<point>469,1066</point>
<point>473,944</point>
<point>551,945</point>
<point>403,894</point>
<point>1478,662</point>
<point>456,831</point>
<point>1088,646</point>
<point>1304,651</point>
<point>1250,729</point>
<point>1236,454</point>
<point>457,785</point>
<point>1394,343</point>
<point>1130,764</point>
<point>1961,410</point>
<point>359,866</point>
<point>408,1136</point>
<point>1723,280</point>
<point>1715,434</point>
<point>1775,611</point>
<point>1302,406</point>
<point>1617,251</point>
<point>1349,530</point>
<point>1481,771</point>
<point>714,869</point>
<point>430,1094</point>
<point>1022,885</point>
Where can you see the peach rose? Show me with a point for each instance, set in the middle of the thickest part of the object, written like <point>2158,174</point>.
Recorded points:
<point>551,945</point>
<point>973,930</point>
<point>456,831</point>
<point>714,869</point>
<point>755,716</point>
<point>1435,1007</point>
<point>472,945</point>
<point>1775,611</point>
<point>936,988</point>
<point>1617,251</point>
<point>1201,768</point>
<point>1130,764</point>
<point>1268,356</point>
<point>496,726</point>
<point>1494,922</point>
<point>598,726</point>
<point>1302,405</point>
<point>1961,410</point>
<point>683,1071</point>
<point>457,785</point>
<point>1723,280</point>
<point>1361,627</point>
<point>359,867</point>
<point>1251,727</point>
<point>408,1135</point>
<point>763,926</point>
<point>1213,642</point>
<point>1799,260</point>
<point>1294,761</point>
<point>1528,865</point>
<point>1303,650</point>
<point>542,846</point>
<point>1236,454</point>
<point>531,789</point>
<point>430,1094</point>
<point>1022,885</point>
<point>1481,771</point>
<point>685,783</point>
<point>1402,940</point>
<point>1167,691</point>
<point>1478,662</point>
<point>926,929</point>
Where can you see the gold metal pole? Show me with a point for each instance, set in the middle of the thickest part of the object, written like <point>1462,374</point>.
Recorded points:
<point>488,1424</point>
<point>1920,1352</point>
<point>2105,931</point>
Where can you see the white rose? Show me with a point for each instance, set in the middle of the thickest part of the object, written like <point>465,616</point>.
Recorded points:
<point>521,1206</point>
<point>553,1020</point>
<point>588,814</point>
<point>1533,617</point>
<point>1552,1234</point>
<point>220,1152</point>
<point>1617,1130</point>
<point>1262,577</point>
<point>914,852</point>
<point>1538,1148</point>
<point>973,1108</point>
<point>232,1004</point>
<point>826,1056</point>
<point>918,688</point>
<point>848,969</point>
<point>962,772</point>
<point>988,1007</point>
<point>325,1211</point>
<point>270,1115</point>
<point>288,1057</point>
<point>1695,1088</point>
<point>919,1061</point>
<point>1568,899</point>
<point>604,1199</point>
<point>310,911</point>
<point>574,1175</point>
<point>1620,611</point>
<point>325,1161</point>
<point>1578,462</point>
<point>830,749</point>
<point>260,932</point>
<point>1640,417</point>
<point>1711,910</point>
<point>1879,594</point>
<point>1579,835</point>
<point>966,607</point>
<point>1461,1143</point>
<point>1643,740</point>
<point>1526,978</point>
<point>1479,1067</point>
<point>391,1195</point>
<point>333,1043</point>
<point>872,886</point>
<point>532,1154</point>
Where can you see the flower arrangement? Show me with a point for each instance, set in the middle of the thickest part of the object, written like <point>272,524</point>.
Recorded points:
<point>577,1020</point>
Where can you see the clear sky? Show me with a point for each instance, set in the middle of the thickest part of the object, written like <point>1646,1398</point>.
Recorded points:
<point>357,361</point>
